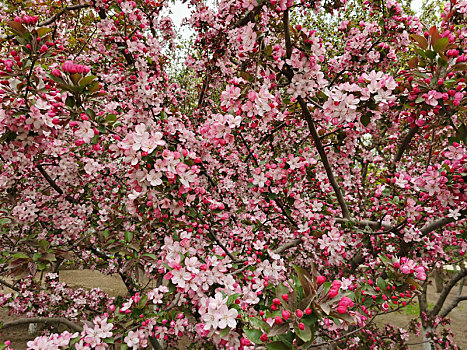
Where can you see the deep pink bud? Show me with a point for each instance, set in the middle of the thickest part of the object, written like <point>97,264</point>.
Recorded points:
<point>321,280</point>
<point>342,309</point>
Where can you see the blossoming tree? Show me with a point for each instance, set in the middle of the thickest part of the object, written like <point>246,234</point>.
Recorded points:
<point>310,187</point>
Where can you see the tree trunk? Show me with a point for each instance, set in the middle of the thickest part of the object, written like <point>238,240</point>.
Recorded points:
<point>437,275</point>
<point>426,338</point>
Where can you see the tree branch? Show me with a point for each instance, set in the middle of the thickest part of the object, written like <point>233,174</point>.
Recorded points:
<point>324,158</point>
<point>291,244</point>
<point>405,143</point>
<point>9,285</point>
<point>288,44</point>
<point>454,303</point>
<point>62,320</point>
<point>440,223</point>
<point>60,13</point>
<point>54,184</point>
<point>445,292</point>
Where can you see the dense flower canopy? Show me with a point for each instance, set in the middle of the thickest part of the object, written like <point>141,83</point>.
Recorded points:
<point>281,191</point>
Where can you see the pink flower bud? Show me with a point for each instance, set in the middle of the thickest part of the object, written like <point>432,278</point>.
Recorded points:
<point>320,280</point>
<point>285,314</point>
<point>342,309</point>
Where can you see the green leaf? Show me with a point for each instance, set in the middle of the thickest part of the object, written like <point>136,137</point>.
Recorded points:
<point>128,236</point>
<point>94,87</point>
<point>142,302</point>
<point>90,113</point>
<point>56,79</point>
<point>386,261</point>
<point>111,118</point>
<point>305,280</point>
<point>70,101</point>
<point>381,283</point>
<point>440,45</point>
<point>20,256</point>
<point>281,289</point>
<point>44,244</point>
<point>278,329</point>
<point>365,119</point>
<point>461,133</point>
<point>232,298</point>
<point>87,80</point>
<point>43,31</point>
<point>304,334</point>
<point>431,54</point>
<point>257,323</point>
<point>5,221</point>
<point>110,340</point>
<point>268,50</point>
<point>277,345</point>
<point>224,332</point>
<point>254,335</point>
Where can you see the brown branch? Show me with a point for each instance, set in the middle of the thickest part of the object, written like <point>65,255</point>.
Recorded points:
<point>288,44</point>
<point>9,285</point>
<point>60,13</point>
<point>454,303</point>
<point>324,157</point>
<point>405,143</point>
<point>62,320</point>
<point>446,290</point>
<point>54,184</point>
<point>249,17</point>
<point>291,244</point>
<point>440,223</point>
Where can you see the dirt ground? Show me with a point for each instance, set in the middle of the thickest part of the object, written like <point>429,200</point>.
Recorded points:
<point>114,286</point>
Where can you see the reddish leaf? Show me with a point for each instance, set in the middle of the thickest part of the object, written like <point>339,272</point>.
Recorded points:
<point>422,42</point>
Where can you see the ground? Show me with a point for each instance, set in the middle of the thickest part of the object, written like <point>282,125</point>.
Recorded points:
<point>114,286</point>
